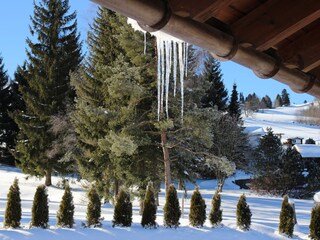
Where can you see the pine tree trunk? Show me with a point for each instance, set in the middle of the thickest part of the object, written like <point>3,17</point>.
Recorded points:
<point>116,189</point>
<point>166,160</point>
<point>180,183</point>
<point>48,178</point>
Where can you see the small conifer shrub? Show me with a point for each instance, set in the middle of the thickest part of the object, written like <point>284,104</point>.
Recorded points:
<point>40,208</point>
<point>93,209</point>
<point>171,208</point>
<point>197,215</point>
<point>122,215</point>
<point>66,209</point>
<point>315,223</point>
<point>215,215</point>
<point>13,210</point>
<point>286,224</point>
<point>243,214</point>
<point>149,213</point>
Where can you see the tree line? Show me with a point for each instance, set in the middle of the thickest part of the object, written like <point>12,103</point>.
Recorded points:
<point>122,215</point>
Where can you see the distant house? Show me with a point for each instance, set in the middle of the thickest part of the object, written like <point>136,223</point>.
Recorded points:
<point>294,141</point>
<point>308,151</point>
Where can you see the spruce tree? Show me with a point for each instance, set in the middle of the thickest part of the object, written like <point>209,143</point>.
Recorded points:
<point>314,227</point>
<point>7,125</point>
<point>171,210</point>
<point>215,215</point>
<point>243,214</point>
<point>52,55</point>
<point>40,208</point>
<point>115,105</point>
<point>93,209</point>
<point>122,215</point>
<point>268,162</point>
<point>291,172</point>
<point>66,209</point>
<point>197,215</point>
<point>149,213</point>
<point>286,224</point>
<point>216,95</point>
<point>278,101</point>
<point>13,210</point>
<point>234,105</point>
<point>285,98</point>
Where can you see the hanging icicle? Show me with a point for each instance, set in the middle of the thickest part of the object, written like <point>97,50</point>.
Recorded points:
<point>145,43</point>
<point>171,52</point>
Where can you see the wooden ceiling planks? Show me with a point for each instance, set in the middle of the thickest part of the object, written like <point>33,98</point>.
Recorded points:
<point>291,27</point>
<point>274,21</point>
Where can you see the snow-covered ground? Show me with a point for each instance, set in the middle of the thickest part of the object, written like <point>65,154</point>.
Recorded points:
<point>265,209</point>
<point>283,120</point>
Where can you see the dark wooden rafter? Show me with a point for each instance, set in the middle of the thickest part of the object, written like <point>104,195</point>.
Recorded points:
<point>212,9</point>
<point>274,21</point>
<point>189,8</point>
<point>303,52</point>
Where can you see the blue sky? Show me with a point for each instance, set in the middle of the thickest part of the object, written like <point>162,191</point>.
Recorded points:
<point>14,29</point>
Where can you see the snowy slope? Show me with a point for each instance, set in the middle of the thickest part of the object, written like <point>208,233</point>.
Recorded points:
<point>283,120</point>
<point>265,217</point>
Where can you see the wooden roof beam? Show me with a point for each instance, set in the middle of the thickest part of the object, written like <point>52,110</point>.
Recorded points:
<point>274,21</point>
<point>304,52</point>
<point>211,10</point>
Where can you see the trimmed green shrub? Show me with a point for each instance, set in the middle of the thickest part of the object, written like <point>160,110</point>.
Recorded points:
<point>93,209</point>
<point>13,210</point>
<point>315,223</point>
<point>122,215</point>
<point>40,208</point>
<point>286,224</point>
<point>243,214</point>
<point>66,209</point>
<point>171,210</point>
<point>215,215</point>
<point>149,213</point>
<point>197,215</point>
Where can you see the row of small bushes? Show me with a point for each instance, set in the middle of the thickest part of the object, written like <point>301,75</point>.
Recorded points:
<point>123,211</point>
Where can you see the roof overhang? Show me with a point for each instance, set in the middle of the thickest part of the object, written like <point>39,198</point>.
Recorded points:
<point>277,39</point>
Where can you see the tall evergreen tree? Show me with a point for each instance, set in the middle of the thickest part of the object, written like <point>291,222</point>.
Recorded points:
<point>40,208</point>
<point>55,53</point>
<point>278,101</point>
<point>7,126</point>
<point>291,172</point>
<point>234,105</point>
<point>217,95</point>
<point>13,210</point>
<point>66,209</point>
<point>268,154</point>
<point>285,98</point>
<point>115,94</point>
<point>197,215</point>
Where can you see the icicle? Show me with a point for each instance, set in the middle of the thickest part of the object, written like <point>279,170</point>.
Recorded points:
<point>168,68</point>
<point>181,66</point>
<point>159,76</point>
<point>162,71</point>
<point>175,62</point>
<point>186,58</point>
<point>145,43</point>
